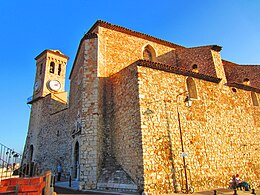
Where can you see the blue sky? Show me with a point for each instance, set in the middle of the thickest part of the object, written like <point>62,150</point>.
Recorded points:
<point>28,27</point>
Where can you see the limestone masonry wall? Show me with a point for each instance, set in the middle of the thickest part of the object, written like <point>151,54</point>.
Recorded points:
<point>126,135</point>
<point>220,133</point>
<point>120,129</point>
<point>48,136</point>
<point>119,50</point>
<point>91,142</point>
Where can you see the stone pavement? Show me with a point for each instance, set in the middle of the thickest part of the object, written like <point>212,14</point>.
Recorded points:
<point>63,188</point>
<point>223,191</point>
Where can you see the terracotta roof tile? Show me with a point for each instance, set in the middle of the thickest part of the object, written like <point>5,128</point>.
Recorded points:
<point>238,73</point>
<point>242,86</point>
<point>213,47</point>
<point>131,32</point>
<point>177,70</point>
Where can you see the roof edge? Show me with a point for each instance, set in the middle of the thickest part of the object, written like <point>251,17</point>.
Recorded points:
<point>177,70</point>
<point>244,87</point>
<point>85,37</point>
<point>52,52</point>
<point>132,32</point>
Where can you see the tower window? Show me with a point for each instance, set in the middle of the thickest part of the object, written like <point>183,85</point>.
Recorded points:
<point>254,99</point>
<point>52,67</point>
<point>149,53</point>
<point>40,72</point>
<point>59,70</point>
<point>192,89</point>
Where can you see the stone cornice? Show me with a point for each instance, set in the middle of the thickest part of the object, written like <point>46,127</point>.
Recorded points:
<point>34,100</point>
<point>52,52</point>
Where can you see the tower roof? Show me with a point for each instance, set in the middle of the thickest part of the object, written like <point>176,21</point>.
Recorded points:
<point>55,52</point>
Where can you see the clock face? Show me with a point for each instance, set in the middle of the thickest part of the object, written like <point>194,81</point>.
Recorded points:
<point>37,86</point>
<point>54,85</point>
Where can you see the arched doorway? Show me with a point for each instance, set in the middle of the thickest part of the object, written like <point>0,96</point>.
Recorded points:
<point>30,157</point>
<point>29,166</point>
<point>76,160</point>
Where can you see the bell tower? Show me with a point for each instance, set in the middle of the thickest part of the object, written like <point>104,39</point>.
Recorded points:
<point>50,73</point>
<point>49,96</point>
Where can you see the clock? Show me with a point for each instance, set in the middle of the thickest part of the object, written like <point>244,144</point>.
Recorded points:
<point>54,85</point>
<point>37,85</point>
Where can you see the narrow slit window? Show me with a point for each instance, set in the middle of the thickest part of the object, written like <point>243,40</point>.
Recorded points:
<point>52,67</point>
<point>41,69</point>
<point>59,69</point>
<point>254,99</point>
<point>192,89</point>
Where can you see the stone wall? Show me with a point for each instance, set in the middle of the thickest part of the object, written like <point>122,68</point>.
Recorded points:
<point>124,117</point>
<point>86,113</point>
<point>75,108</point>
<point>49,136</point>
<point>125,123</point>
<point>118,50</point>
<point>219,133</point>
<point>54,139</point>
<point>91,142</point>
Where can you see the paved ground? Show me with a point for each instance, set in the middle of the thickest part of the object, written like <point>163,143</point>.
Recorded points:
<point>226,192</point>
<point>62,188</point>
<point>63,191</point>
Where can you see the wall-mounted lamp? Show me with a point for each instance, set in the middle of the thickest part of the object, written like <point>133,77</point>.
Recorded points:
<point>188,101</point>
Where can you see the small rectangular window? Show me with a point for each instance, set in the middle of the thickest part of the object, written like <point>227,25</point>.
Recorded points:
<point>59,70</point>
<point>52,67</point>
<point>40,69</point>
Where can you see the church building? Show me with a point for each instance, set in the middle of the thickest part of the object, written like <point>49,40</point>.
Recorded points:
<point>144,115</point>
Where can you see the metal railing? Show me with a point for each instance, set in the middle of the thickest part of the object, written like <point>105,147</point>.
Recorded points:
<point>10,162</point>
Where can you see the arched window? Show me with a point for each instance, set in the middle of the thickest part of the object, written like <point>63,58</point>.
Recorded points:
<point>254,99</point>
<point>52,67</point>
<point>30,153</point>
<point>149,53</point>
<point>192,89</point>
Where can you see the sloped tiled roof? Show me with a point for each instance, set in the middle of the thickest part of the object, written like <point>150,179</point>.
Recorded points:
<point>177,70</point>
<point>244,87</point>
<point>131,32</point>
<point>236,73</point>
